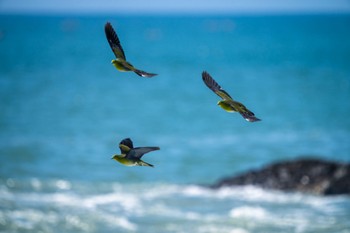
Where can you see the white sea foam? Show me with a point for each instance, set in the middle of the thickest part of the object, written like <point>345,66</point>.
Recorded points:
<point>36,183</point>
<point>75,221</point>
<point>239,230</point>
<point>128,202</point>
<point>249,212</point>
<point>28,218</point>
<point>124,206</point>
<point>116,220</point>
<point>63,184</point>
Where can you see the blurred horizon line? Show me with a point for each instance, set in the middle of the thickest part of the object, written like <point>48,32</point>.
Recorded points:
<point>181,7</point>
<point>172,13</point>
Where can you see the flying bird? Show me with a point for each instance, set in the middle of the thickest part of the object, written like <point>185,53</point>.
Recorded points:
<point>228,103</point>
<point>120,62</point>
<point>131,156</point>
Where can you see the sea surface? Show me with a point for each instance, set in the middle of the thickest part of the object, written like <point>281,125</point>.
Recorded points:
<point>64,109</point>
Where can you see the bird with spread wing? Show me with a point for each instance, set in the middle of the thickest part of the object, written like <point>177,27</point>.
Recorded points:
<point>228,104</point>
<point>120,62</point>
<point>130,155</point>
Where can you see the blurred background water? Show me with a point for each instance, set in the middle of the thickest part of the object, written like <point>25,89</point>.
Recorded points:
<point>65,108</point>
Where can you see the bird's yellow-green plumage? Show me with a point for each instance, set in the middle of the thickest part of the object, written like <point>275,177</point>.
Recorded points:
<point>120,62</point>
<point>122,65</point>
<point>228,104</point>
<point>118,65</point>
<point>130,162</point>
<point>121,159</point>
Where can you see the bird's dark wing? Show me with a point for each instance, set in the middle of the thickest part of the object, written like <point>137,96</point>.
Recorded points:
<point>214,86</point>
<point>138,152</point>
<point>126,145</point>
<point>114,42</point>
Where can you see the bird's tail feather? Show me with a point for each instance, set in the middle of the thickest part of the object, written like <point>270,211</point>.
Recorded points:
<point>142,163</point>
<point>249,116</point>
<point>144,74</point>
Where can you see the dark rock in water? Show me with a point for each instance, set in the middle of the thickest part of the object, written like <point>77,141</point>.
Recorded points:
<point>302,175</point>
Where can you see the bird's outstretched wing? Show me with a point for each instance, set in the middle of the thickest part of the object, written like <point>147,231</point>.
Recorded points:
<point>140,151</point>
<point>114,42</point>
<point>214,86</point>
<point>126,145</point>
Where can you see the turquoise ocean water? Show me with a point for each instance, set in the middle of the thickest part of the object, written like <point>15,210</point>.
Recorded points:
<point>64,108</point>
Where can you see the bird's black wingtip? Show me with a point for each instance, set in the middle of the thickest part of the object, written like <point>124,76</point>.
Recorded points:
<point>108,25</point>
<point>205,74</point>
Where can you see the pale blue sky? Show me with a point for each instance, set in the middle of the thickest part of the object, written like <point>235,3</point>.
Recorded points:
<point>184,6</point>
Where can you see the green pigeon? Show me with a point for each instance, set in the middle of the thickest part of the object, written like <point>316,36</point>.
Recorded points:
<point>120,62</point>
<point>131,156</point>
<point>228,103</point>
